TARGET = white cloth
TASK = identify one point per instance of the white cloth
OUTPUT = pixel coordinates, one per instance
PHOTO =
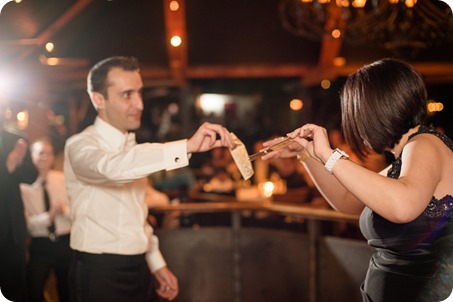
(36, 215)
(106, 180)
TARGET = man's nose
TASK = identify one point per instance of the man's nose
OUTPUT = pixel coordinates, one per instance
(138, 102)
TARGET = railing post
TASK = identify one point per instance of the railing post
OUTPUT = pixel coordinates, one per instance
(314, 232)
(236, 254)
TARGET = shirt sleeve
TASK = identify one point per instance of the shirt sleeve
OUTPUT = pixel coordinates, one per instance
(154, 257)
(96, 165)
(38, 222)
(59, 193)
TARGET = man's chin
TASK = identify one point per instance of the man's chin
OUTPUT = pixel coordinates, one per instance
(134, 126)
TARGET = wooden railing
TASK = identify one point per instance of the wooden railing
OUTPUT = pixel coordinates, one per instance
(313, 215)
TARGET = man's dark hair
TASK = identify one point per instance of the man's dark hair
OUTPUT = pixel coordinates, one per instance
(97, 77)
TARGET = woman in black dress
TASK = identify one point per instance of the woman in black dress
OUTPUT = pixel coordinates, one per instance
(407, 209)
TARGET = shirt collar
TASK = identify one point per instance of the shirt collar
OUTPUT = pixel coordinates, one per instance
(114, 138)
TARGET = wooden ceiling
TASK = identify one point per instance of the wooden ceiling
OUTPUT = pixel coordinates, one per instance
(220, 39)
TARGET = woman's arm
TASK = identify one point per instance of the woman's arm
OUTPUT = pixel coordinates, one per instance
(350, 187)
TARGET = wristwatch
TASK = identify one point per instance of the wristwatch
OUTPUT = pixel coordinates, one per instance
(336, 155)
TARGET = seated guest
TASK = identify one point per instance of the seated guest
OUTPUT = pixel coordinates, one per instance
(287, 170)
(221, 182)
(174, 183)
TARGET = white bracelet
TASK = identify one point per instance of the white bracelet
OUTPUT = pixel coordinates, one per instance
(336, 155)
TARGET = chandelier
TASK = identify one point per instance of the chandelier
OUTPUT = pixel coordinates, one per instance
(401, 26)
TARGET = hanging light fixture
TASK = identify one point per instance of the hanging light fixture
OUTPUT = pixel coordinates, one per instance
(401, 26)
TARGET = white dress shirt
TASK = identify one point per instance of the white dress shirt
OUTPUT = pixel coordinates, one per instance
(105, 172)
(37, 217)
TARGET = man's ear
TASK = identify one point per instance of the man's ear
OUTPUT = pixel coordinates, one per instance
(98, 100)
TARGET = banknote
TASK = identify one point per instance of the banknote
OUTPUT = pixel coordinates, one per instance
(241, 157)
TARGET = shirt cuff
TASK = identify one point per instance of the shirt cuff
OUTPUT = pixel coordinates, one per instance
(176, 154)
(42, 219)
(155, 261)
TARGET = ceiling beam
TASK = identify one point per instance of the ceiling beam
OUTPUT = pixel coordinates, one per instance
(52, 29)
(330, 49)
(432, 72)
(248, 71)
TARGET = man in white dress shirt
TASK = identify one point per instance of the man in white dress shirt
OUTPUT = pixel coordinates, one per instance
(106, 175)
(48, 224)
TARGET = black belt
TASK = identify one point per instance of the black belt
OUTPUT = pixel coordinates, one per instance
(52, 237)
(107, 258)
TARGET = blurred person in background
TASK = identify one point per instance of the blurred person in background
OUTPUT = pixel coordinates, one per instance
(48, 220)
(16, 167)
(221, 182)
(286, 169)
(174, 183)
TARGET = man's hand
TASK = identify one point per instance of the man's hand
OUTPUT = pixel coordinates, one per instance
(16, 156)
(168, 284)
(205, 138)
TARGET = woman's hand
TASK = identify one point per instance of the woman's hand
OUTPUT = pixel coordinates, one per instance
(288, 151)
(310, 137)
(315, 140)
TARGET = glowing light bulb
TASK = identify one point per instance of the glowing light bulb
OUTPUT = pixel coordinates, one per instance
(325, 84)
(296, 104)
(50, 47)
(175, 41)
(174, 6)
(268, 189)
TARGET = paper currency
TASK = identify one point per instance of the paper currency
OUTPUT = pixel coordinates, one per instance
(241, 157)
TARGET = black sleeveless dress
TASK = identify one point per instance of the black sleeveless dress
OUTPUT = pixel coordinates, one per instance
(413, 261)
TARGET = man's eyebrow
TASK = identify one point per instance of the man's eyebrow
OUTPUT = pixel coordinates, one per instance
(128, 91)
